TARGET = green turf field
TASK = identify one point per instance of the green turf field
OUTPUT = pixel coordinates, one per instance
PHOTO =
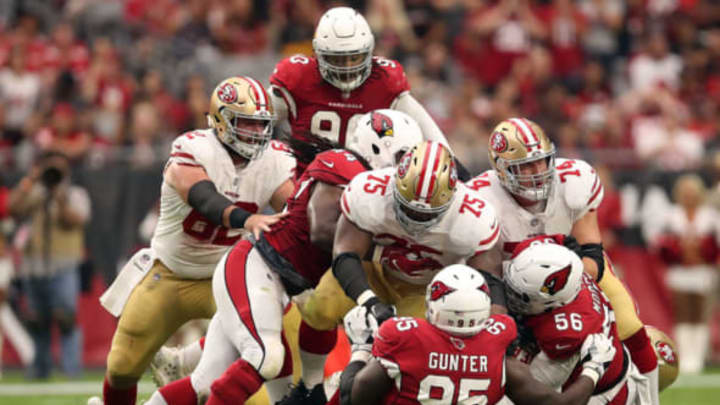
(15, 390)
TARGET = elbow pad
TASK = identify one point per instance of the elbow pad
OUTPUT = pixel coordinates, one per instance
(347, 269)
(594, 251)
(204, 197)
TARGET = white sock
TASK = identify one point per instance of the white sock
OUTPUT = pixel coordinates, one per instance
(278, 388)
(313, 368)
(653, 378)
(701, 334)
(191, 357)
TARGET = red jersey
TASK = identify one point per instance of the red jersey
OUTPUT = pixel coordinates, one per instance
(317, 108)
(291, 236)
(560, 333)
(427, 363)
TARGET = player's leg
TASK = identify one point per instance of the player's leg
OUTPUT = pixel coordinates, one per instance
(321, 313)
(214, 361)
(157, 307)
(630, 329)
(250, 299)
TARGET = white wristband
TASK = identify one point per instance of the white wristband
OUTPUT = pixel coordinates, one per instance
(592, 374)
(360, 355)
(366, 295)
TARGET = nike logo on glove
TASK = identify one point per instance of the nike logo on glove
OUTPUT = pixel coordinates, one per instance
(328, 164)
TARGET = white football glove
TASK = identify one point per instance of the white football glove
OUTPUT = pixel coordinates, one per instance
(596, 355)
(359, 328)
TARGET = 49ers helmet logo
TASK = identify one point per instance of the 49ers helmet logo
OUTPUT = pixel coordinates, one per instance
(227, 93)
(382, 124)
(498, 142)
(556, 281)
(404, 164)
(438, 290)
(666, 352)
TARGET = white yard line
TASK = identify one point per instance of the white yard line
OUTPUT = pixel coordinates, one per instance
(63, 388)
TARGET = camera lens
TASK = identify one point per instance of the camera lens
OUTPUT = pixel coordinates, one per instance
(51, 177)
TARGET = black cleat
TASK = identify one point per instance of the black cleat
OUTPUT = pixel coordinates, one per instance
(298, 395)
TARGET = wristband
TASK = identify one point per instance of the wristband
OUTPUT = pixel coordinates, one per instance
(591, 373)
(238, 217)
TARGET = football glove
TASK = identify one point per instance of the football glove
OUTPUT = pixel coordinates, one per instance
(596, 355)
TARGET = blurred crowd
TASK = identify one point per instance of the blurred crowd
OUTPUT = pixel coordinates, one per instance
(630, 85)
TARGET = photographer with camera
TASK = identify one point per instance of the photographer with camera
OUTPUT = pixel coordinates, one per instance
(53, 212)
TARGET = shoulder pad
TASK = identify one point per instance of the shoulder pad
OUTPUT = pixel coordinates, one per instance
(480, 183)
(582, 188)
(390, 338)
(502, 327)
(192, 148)
(363, 198)
(292, 71)
(393, 74)
(335, 167)
(476, 226)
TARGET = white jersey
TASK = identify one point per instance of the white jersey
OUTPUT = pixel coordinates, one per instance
(575, 191)
(468, 227)
(185, 241)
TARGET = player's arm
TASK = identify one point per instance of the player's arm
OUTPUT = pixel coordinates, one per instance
(522, 388)
(587, 233)
(198, 191)
(323, 214)
(596, 354)
(371, 375)
(281, 195)
(497, 287)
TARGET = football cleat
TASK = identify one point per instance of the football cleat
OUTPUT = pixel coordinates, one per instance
(166, 366)
(298, 395)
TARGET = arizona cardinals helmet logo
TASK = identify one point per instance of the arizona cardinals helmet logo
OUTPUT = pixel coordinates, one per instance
(227, 93)
(438, 290)
(556, 281)
(382, 124)
(498, 143)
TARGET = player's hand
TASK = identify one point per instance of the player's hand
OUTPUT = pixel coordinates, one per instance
(596, 355)
(257, 223)
(378, 312)
(358, 329)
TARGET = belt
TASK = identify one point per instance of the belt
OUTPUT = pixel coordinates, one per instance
(293, 281)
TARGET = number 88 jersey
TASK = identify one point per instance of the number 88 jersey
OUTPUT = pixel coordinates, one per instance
(315, 108)
(469, 227)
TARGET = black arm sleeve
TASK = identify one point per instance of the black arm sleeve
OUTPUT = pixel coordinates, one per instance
(594, 251)
(497, 289)
(347, 269)
(204, 197)
(346, 381)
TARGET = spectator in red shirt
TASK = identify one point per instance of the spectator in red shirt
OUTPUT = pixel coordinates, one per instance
(63, 134)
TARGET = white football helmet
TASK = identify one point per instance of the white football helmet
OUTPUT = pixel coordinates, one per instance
(542, 277)
(458, 300)
(382, 137)
(343, 45)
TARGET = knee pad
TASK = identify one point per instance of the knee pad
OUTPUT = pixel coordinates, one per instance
(274, 359)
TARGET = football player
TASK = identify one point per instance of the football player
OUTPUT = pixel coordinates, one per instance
(320, 95)
(244, 344)
(210, 194)
(419, 218)
(454, 356)
(536, 194)
(561, 305)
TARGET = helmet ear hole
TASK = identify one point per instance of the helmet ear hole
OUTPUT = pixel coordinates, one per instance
(375, 149)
